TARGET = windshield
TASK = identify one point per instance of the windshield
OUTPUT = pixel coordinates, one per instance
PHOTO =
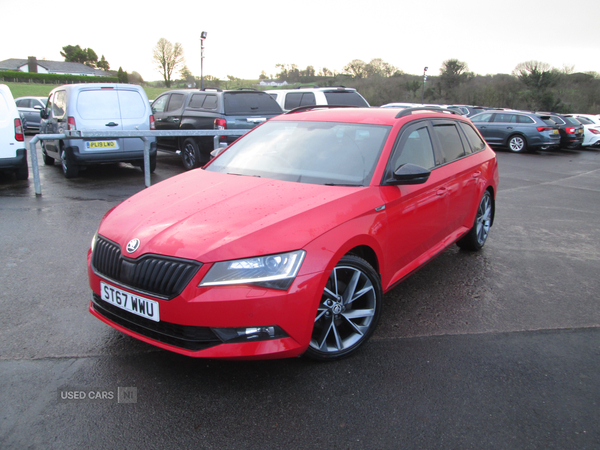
(307, 152)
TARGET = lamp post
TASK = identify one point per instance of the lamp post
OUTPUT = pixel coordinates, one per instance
(202, 37)
(424, 80)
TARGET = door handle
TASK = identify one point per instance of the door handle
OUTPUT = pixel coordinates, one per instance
(442, 191)
(112, 124)
(476, 174)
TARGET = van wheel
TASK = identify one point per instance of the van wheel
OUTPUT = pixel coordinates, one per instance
(190, 154)
(70, 170)
(48, 160)
(517, 144)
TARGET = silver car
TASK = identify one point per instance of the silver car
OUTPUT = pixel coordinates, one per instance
(30, 108)
(518, 131)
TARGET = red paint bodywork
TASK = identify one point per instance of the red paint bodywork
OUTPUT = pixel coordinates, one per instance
(212, 217)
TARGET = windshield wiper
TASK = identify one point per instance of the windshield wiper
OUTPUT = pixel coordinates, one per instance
(243, 175)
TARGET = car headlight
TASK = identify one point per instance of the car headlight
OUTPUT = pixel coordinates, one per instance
(272, 271)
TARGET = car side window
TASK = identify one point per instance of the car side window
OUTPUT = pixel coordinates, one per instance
(197, 101)
(451, 145)
(558, 120)
(49, 105)
(23, 103)
(59, 104)
(176, 102)
(160, 103)
(486, 117)
(416, 148)
(477, 144)
(210, 102)
(292, 100)
(504, 118)
(524, 119)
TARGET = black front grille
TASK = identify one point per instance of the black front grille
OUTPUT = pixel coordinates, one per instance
(182, 336)
(161, 276)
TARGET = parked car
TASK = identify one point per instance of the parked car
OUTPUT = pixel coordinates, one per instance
(591, 129)
(13, 154)
(468, 110)
(30, 109)
(412, 105)
(96, 107)
(285, 243)
(571, 130)
(289, 99)
(209, 109)
(519, 131)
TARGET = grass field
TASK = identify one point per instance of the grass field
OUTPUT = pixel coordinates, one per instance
(42, 90)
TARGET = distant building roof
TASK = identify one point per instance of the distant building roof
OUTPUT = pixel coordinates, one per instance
(56, 67)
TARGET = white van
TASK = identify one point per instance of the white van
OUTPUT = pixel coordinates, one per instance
(13, 153)
(289, 99)
(96, 107)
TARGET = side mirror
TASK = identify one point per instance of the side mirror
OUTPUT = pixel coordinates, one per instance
(43, 114)
(410, 174)
(38, 107)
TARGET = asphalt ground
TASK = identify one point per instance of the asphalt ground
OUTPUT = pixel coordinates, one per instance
(492, 350)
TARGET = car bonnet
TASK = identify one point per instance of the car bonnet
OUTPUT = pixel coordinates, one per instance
(208, 216)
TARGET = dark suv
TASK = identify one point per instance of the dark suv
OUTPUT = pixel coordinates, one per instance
(208, 109)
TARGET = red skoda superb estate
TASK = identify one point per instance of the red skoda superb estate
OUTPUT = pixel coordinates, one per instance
(285, 243)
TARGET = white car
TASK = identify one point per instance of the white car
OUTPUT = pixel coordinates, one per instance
(13, 153)
(289, 99)
(591, 129)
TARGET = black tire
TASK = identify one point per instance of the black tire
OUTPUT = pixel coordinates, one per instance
(48, 160)
(70, 170)
(517, 144)
(475, 239)
(348, 312)
(140, 164)
(190, 154)
(22, 173)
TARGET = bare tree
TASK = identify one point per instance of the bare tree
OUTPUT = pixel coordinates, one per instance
(168, 58)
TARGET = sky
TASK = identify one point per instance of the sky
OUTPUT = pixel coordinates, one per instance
(245, 38)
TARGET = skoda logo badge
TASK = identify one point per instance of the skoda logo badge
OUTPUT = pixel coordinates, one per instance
(133, 245)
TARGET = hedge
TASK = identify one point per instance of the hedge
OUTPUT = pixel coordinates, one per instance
(51, 78)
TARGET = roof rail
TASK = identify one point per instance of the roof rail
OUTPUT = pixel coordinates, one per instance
(212, 89)
(409, 111)
(308, 86)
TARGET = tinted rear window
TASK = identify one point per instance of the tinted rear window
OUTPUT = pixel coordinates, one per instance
(250, 103)
(348, 98)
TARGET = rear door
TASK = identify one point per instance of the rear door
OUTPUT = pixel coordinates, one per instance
(98, 109)
(135, 115)
(483, 122)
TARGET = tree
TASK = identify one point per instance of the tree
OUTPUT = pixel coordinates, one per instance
(168, 58)
(187, 76)
(538, 78)
(74, 53)
(122, 76)
(357, 68)
(452, 73)
(103, 64)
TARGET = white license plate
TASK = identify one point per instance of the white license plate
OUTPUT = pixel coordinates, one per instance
(135, 304)
(101, 144)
